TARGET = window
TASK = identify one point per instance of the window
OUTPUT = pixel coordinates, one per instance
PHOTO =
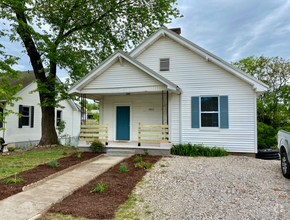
(209, 111)
(25, 116)
(58, 117)
(164, 64)
(27, 119)
(1, 114)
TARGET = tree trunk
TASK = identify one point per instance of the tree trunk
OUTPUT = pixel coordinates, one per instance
(48, 134)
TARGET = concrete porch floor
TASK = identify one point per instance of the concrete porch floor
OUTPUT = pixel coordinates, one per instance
(151, 148)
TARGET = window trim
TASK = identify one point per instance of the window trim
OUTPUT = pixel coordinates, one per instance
(168, 64)
(29, 117)
(203, 112)
(60, 115)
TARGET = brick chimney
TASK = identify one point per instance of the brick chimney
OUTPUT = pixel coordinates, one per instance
(176, 30)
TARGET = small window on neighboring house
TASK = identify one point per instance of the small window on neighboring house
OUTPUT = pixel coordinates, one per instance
(25, 116)
(1, 114)
(27, 119)
(164, 64)
(58, 117)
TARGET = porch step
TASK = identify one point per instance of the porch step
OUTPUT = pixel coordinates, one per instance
(119, 152)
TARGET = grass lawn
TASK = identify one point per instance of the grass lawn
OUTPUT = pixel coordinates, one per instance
(21, 160)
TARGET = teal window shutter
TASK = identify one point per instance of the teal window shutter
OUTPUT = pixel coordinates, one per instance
(224, 112)
(195, 112)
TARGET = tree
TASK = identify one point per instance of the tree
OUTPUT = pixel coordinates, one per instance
(272, 106)
(7, 92)
(77, 34)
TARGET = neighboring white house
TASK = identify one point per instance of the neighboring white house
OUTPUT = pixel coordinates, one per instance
(168, 79)
(26, 130)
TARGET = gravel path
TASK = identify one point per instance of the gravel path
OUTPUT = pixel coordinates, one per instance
(232, 187)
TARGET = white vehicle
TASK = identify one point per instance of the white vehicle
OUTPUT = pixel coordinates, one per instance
(283, 141)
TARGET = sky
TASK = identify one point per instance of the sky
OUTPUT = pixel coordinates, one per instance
(230, 29)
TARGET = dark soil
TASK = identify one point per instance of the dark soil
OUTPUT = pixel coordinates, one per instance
(82, 203)
(40, 172)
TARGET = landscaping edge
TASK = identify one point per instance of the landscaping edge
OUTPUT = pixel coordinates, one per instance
(35, 184)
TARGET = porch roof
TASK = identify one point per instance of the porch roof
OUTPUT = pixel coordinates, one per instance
(163, 83)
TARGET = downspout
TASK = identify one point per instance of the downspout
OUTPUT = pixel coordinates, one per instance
(180, 117)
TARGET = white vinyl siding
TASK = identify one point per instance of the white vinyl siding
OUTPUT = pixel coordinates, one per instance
(118, 76)
(146, 109)
(14, 134)
(198, 77)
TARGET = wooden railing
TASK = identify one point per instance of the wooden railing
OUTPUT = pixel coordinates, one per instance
(160, 137)
(94, 132)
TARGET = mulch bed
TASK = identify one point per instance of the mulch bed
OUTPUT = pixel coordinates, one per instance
(82, 203)
(39, 173)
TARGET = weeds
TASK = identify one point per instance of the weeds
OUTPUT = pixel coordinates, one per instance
(146, 153)
(100, 187)
(197, 150)
(162, 165)
(137, 159)
(143, 165)
(53, 163)
(123, 168)
(14, 180)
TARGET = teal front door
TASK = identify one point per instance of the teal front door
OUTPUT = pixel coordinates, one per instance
(123, 123)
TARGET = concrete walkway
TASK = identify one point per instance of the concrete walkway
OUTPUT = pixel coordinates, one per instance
(32, 203)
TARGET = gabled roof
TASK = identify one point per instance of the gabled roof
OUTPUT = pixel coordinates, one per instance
(258, 86)
(121, 55)
(29, 80)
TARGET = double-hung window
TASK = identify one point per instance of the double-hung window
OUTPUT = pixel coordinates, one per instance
(26, 116)
(209, 111)
(58, 117)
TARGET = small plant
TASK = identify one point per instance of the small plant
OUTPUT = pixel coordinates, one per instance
(137, 159)
(53, 163)
(146, 153)
(100, 187)
(97, 146)
(143, 165)
(79, 154)
(162, 165)
(123, 168)
(14, 180)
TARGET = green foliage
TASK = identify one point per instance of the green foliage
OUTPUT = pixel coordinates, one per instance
(273, 105)
(143, 165)
(123, 168)
(53, 163)
(60, 127)
(100, 187)
(14, 180)
(97, 147)
(137, 159)
(197, 150)
(79, 154)
(266, 136)
(146, 153)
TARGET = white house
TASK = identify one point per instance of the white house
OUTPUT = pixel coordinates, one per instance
(168, 79)
(26, 130)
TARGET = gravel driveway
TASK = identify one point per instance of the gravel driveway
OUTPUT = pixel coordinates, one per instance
(232, 187)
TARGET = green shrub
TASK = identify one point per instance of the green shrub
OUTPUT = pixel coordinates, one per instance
(123, 168)
(197, 150)
(137, 159)
(143, 165)
(97, 147)
(100, 187)
(267, 136)
(53, 163)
